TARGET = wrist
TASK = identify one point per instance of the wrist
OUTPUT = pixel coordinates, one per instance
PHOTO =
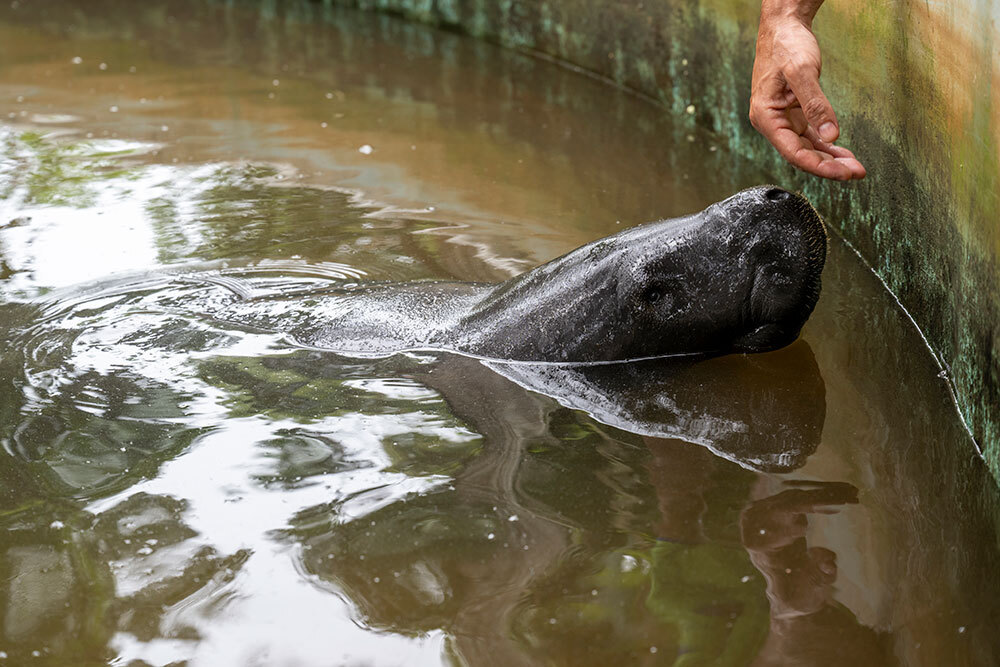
(778, 11)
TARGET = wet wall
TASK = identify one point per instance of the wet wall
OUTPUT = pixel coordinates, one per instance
(917, 92)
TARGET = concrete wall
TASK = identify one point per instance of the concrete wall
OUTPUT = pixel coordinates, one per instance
(917, 91)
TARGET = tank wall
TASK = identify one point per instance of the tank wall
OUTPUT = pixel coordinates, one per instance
(917, 92)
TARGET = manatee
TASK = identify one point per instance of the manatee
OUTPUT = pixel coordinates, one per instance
(743, 275)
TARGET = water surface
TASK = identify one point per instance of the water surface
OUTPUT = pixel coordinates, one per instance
(178, 490)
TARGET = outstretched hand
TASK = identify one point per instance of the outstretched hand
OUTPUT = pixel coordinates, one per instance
(787, 104)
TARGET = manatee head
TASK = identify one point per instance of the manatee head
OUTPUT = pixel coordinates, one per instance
(741, 276)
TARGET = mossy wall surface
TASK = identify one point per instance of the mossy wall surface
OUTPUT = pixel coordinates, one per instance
(917, 92)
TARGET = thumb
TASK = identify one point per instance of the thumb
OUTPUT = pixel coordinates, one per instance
(804, 83)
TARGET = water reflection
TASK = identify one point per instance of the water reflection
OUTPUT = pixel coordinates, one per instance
(807, 624)
(764, 412)
(505, 556)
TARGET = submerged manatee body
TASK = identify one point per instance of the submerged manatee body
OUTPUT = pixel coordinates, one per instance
(741, 276)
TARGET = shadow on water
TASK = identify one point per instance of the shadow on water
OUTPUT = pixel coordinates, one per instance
(174, 489)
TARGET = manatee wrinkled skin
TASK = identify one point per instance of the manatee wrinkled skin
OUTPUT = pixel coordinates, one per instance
(741, 276)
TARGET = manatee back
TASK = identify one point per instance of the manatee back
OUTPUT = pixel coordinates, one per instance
(373, 319)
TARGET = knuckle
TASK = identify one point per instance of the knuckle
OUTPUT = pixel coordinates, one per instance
(814, 108)
(798, 67)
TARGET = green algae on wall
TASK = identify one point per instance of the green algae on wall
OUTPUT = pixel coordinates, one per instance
(917, 91)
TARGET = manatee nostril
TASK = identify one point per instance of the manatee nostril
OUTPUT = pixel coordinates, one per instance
(777, 194)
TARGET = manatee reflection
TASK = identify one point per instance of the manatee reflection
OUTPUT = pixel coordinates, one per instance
(558, 530)
(764, 412)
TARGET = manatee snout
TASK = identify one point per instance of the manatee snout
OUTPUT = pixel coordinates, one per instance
(785, 253)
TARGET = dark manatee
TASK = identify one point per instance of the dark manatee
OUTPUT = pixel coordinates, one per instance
(763, 412)
(741, 276)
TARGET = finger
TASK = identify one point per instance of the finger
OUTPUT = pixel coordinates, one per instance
(797, 119)
(821, 164)
(818, 162)
(775, 125)
(800, 152)
(825, 166)
(858, 170)
(841, 154)
(825, 146)
(804, 81)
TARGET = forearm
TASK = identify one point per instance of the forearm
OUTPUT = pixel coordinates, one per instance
(800, 10)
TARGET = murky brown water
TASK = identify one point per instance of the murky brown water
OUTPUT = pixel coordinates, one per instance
(173, 491)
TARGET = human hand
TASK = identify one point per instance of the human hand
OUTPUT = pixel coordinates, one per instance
(774, 529)
(787, 104)
(780, 520)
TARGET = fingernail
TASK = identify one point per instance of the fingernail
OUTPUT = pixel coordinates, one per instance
(828, 131)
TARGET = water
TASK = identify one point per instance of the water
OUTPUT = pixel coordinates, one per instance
(179, 490)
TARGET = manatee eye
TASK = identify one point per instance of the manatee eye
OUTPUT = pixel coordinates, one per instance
(652, 294)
